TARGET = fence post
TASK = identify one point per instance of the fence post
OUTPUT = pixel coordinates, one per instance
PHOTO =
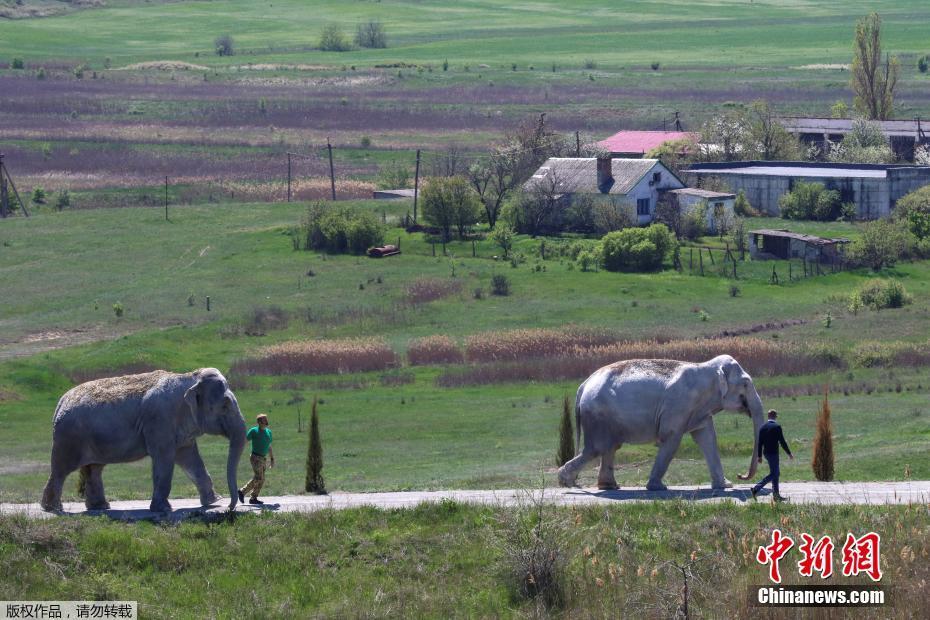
(208, 303)
(734, 271)
(690, 260)
(474, 249)
(790, 274)
(711, 254)
(701, 260)
(433, 245)
(774, 278)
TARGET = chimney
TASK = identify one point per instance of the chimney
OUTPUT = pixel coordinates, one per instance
(604, 173)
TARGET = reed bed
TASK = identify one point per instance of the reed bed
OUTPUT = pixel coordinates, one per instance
(533, 343)
(311, 357)
(434, 350)
(757, 356)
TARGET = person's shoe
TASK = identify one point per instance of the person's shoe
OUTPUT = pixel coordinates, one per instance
(780, 498)
(255, 500)
(753, 492)
(241, 497)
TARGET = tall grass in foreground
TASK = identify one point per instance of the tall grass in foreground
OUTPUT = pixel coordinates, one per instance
(319, 357)
(757, 356)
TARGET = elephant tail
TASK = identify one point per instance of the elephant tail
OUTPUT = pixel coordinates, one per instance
(578, 423)
(83, 475)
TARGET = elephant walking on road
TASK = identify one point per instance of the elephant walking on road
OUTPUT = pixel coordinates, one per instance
(158, 414)
(654, 400)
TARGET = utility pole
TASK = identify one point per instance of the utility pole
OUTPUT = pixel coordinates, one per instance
(288, 177)
(332, 176)
(416, 187)
(577, 145)
(6, 181)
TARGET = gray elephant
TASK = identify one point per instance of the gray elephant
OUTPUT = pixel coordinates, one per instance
(648, 400)
(158, 414)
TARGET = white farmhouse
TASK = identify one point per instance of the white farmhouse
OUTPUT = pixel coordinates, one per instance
(718, 206)
(632, 183)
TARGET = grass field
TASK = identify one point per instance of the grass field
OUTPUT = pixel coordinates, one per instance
(494, 435)
(453, 561)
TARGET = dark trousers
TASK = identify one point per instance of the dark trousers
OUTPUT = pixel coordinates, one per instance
(772, 459)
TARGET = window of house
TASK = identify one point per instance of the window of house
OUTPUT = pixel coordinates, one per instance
(642, 206)
(656, 177)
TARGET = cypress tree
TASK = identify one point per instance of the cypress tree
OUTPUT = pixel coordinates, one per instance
(566, 436)
(822, 463)
(314, 482)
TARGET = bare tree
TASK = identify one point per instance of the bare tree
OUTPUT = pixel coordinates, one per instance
(668, 212)
(449, 163)
(765, 137)
(873, 81)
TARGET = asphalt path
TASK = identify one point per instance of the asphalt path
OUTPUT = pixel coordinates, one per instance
(909, 492)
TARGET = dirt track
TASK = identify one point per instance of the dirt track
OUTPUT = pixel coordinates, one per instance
(798, 492)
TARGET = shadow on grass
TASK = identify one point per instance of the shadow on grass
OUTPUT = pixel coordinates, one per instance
(742, 495)
(201, 513)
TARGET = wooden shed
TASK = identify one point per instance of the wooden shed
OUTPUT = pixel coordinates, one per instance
(784, 244)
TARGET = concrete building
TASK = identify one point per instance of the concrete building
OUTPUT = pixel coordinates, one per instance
(785, 245)
(635, 183)
(873, 188)
(719, 205)
(904, 135)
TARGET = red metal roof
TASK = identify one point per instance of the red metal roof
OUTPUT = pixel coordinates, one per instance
(642, 141)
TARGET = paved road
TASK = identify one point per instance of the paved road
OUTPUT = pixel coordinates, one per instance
(798, 492)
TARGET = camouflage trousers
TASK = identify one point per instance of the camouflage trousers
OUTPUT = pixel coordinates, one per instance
(258, 476)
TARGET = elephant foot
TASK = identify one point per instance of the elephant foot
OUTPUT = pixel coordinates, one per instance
(104, 505)
(209, 500)
(726, 484)
(51, 506)
(656, 486)
(565, 481)
(160, 506)
(607, 486)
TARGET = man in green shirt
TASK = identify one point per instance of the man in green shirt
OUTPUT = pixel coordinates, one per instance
(261, 450)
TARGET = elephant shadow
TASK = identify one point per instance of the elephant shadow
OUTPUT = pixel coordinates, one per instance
(201, 513)
(620, 495)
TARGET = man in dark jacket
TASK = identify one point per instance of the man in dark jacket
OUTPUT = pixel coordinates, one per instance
(770, 437)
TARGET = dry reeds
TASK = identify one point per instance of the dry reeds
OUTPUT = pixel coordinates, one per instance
(533, 343)
(822, 462)
(757, 356)
(319, 357)
(434, 350)
(425, 290)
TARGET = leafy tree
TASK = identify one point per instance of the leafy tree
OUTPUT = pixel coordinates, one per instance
(503, 236)
(449, 202)
(224, 45)
(371, 34)
(726, 132)
(636, 249)
(742, 207)
(394, 176)
(839, 110)
(39, 196)
(764, 137)
(881, 244)
(865, 143)
(873, 81)
(914, 211)
(813, 201)
(332, 39)
(339, 228)
(676, 155)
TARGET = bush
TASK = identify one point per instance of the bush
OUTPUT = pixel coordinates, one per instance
(923, 63)
(636, 249)
(742, 207)
(17, 64)
(338, 229)
(822, 462)
(365, 142)
(655, 66)
(371, 35)
(882, 294)
(586, 260)
(63, 200)
(503, 237)
(224, 45)
(881, 244)
(394, 176)
(118, 309)
(39, 196)
(812, 201)
(500, 285)
(332, 39)
(914, 210)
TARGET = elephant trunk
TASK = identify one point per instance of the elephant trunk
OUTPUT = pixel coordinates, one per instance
(236, 433)
(754, 403)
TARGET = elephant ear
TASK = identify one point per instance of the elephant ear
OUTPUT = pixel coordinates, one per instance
(722, 381)
(194, 399)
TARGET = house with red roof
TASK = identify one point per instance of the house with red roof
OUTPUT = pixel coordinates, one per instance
(635, 144)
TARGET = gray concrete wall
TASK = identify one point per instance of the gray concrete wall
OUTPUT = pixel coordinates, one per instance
(905, 180)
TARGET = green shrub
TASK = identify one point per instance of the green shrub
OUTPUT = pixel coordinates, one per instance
(914, 210)
(118, 309)
(39, 196)
(224, 45)
(742, 207)
(365, 142)
(655, 66)
(812, 201)
(40, 74)
(339, 229)
(500, 285)
(394, 176)
(636, 249)
(586, 260)
(923, 63)
(873, 354)
(503, 237)
(882, 294)
(63, 200)
(371, 34)
(18, 64)
(881, 244)
(332, 39)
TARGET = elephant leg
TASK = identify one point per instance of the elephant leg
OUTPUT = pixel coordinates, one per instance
(162, 473)
(51, 495)
(605, 476)
(667, 450)
(188, 457)
(706, 438)
(568, 473)
(94, 497)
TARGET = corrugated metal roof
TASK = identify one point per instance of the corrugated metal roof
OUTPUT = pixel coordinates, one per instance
(642, 141)
(703, 193)
(579, 174)
(767, 232)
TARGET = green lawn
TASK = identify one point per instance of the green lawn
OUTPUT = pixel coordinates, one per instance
(415, 434)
